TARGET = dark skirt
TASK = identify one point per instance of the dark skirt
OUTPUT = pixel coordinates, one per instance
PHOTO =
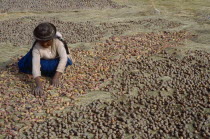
(48, 66)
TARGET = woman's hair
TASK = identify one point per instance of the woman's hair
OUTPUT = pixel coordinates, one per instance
(44, 31)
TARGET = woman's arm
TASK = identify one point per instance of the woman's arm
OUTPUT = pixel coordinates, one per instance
(36, 72)
(62, 63)
(38, 91)
(55, 80)
(63, 57)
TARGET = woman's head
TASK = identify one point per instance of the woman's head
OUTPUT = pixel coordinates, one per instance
(44, 33)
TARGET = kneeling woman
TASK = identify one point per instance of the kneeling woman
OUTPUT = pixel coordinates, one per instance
(49, 56)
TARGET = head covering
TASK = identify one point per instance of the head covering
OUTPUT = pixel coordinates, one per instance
(44, 31)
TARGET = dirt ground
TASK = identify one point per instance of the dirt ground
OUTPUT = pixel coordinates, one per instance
(141, 70)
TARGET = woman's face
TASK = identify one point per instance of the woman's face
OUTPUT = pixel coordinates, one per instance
(46, 44)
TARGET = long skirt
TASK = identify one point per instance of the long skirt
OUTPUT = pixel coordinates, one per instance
(48, 66)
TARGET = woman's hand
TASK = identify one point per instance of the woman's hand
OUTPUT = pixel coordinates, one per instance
(56, 79)
(55, 82)
(38, 91)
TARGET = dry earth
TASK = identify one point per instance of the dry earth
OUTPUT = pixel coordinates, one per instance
(141, 70)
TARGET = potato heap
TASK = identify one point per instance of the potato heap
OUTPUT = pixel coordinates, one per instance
(172, 101)
(54, 5)
(91, 69)
(20, 30)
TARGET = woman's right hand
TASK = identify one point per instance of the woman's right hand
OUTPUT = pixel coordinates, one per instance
(38, 91)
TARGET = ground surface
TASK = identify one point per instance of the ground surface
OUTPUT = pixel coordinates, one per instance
(141, 70)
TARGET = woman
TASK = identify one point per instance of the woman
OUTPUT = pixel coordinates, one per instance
(49, 56)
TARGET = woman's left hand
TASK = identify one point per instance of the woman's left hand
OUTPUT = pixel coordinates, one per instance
(55, 82)
(56, 79)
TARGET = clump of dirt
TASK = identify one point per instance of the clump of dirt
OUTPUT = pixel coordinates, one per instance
(54, 5)
(183, 114)
(92, 68)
